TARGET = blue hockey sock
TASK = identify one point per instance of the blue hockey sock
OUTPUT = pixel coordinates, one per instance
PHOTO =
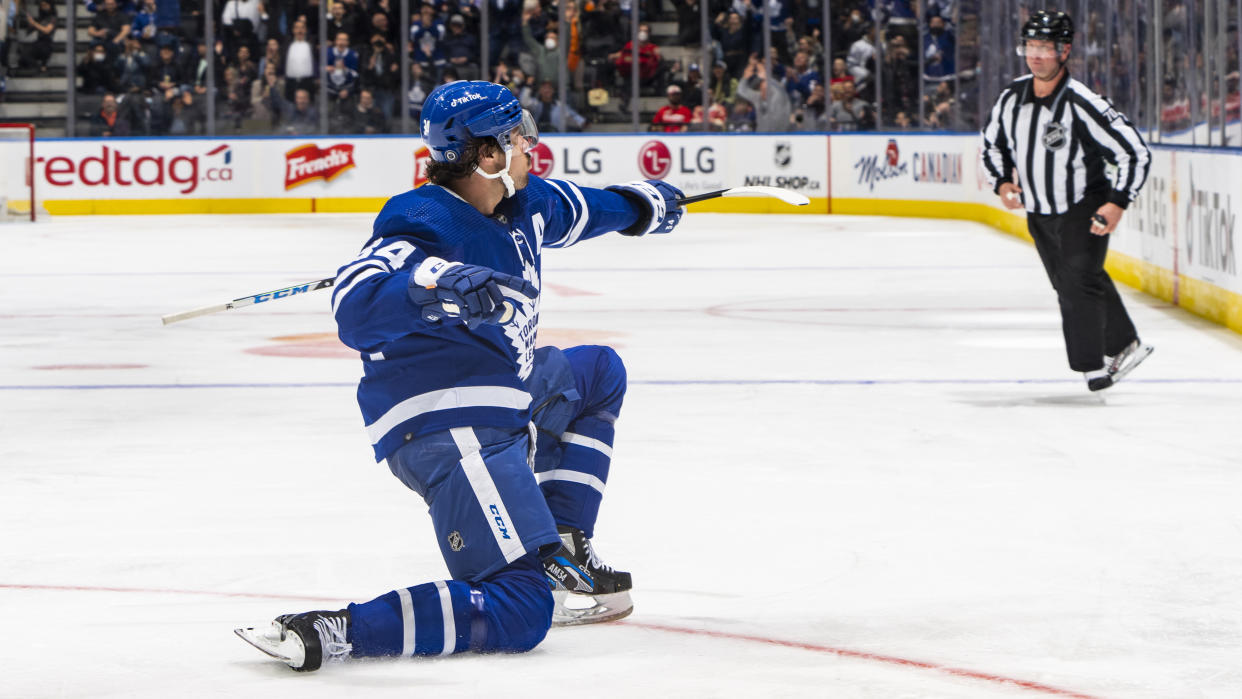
(574, 488)
(509, 611)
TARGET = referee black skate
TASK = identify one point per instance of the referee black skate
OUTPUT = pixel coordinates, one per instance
(1078, 164)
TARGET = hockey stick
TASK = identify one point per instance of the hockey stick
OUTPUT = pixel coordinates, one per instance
(252, 299)
(785, 195)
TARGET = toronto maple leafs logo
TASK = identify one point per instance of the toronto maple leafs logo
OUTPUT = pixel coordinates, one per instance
(522, 327)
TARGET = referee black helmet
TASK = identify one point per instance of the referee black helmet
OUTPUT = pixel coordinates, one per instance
(1048, 26)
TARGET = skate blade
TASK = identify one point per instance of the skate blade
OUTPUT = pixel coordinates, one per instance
(575, 610)
(289, 650)
(1139, 355)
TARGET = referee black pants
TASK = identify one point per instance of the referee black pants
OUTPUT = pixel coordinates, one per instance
(1093, 319)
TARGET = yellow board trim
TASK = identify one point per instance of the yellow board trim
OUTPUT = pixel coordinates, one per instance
(757, 205)
(1202, 298)
(274, 205)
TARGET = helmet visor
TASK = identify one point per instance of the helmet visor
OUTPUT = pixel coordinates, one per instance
(528, 130)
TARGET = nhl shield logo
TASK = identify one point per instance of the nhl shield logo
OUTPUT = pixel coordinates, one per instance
(784, 154)
(455, 542)
(1054, 136)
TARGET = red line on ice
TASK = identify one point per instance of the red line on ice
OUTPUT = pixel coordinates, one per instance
(862, 655)
(816, 648)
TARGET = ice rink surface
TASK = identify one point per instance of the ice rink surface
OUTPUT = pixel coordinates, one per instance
(852, 463)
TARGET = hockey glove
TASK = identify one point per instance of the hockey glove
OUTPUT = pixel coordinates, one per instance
(473, 294)
(657, 204)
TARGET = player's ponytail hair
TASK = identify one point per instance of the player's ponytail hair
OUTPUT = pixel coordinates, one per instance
(443, 173)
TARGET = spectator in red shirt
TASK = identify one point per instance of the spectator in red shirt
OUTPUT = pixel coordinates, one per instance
(673, 116)
(648, 56)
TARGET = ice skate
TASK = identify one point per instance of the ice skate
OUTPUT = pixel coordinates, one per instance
(303, 641)
(1127, 359)
(1116, 368)
(587, 591)
(1098, 380)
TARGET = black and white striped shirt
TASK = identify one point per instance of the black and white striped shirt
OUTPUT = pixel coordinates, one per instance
(1060, 145)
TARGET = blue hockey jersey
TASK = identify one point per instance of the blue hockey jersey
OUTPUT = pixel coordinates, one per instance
(421, 377)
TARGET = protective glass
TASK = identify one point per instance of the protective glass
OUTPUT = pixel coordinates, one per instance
(1041, 51)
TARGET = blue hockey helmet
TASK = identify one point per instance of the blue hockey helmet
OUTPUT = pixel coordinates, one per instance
(457, 111)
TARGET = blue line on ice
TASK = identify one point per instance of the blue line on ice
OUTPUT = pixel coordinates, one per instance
(671, 382)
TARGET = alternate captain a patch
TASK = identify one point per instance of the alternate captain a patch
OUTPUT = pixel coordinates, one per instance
(1055, 136)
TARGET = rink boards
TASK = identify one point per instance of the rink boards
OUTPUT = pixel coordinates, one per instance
(1178, 241)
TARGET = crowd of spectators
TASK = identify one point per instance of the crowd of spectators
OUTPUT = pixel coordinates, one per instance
(146, 72)
(146, 69)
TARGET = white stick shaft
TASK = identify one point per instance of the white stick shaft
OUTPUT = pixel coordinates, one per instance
(252, 299)
(186, 315)
(786, 195)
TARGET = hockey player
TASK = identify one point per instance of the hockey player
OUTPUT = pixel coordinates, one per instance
(509, 445)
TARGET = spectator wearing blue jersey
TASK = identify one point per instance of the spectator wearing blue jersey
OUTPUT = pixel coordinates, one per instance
(426, 24)
(508, 445)
(341, 82)
(801, 77)
(145, 23)
(939, 50)
(340, 51)
(426, 34)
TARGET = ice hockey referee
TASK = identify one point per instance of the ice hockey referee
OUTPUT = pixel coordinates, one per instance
(1047, 146)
